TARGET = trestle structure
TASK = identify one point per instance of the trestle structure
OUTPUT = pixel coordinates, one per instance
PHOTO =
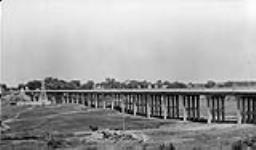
(173, 111)
(216, 108)
(191, 107)
(164, 104)
(246, 107)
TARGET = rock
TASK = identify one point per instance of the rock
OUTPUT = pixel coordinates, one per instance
(97, 136)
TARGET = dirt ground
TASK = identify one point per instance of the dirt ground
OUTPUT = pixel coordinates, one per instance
(75, 122)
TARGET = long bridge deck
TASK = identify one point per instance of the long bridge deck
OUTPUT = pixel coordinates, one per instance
(163, 103)
(176, 91)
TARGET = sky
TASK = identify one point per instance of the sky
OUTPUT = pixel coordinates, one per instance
(176, 40)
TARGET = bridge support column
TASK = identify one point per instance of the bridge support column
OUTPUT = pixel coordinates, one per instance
(76, 98)
(93, 100)
(188, 106)
(185, 115)
(238, 110)
(83, 99)
(57, 98)
(113, 101)
(67, 98)
(133, 101)
(129, 106)
(148, 106)
(148, 109)
(62, 98)
(104, 104)
(152, 99)
(112, 104)
(164, 106)
(96, 100)
(138, 104)
(177, 108)
(195, 107)
(34, 99)
(113, 98)
(80, 99)
(127, 103)
(209, 119)
(123, 106)
(135, 105)
(254, 109)
(122, 103)
(72, 98)
(89, 100)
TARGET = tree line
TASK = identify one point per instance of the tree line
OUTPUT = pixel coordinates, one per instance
(111, 83)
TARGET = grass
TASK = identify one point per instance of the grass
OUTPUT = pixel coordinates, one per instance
(67, 119)
(8, 111)
(46, 111)
(71, 118)
(58, 119)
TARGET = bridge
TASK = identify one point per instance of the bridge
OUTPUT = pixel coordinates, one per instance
(182, 104)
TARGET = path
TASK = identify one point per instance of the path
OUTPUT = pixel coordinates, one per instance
(4, 125)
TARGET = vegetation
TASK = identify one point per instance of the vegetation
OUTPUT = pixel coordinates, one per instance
(111, 83)
(69, 126)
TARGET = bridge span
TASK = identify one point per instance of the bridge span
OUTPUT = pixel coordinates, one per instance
(182, 104)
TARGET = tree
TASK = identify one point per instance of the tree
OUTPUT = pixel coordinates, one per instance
(33, 85)
(110, 83)
(144, 84)
(4, 87)
(159, 83)
(54, 83)
(210, 84)
(229, 84)
(88, 85)
(177, 84)
(133, 84)
(74, 84)
(21, 86)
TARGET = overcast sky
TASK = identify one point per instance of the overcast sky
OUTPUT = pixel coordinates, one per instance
(185, 40)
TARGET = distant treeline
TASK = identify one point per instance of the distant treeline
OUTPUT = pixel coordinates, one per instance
(111, 83)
